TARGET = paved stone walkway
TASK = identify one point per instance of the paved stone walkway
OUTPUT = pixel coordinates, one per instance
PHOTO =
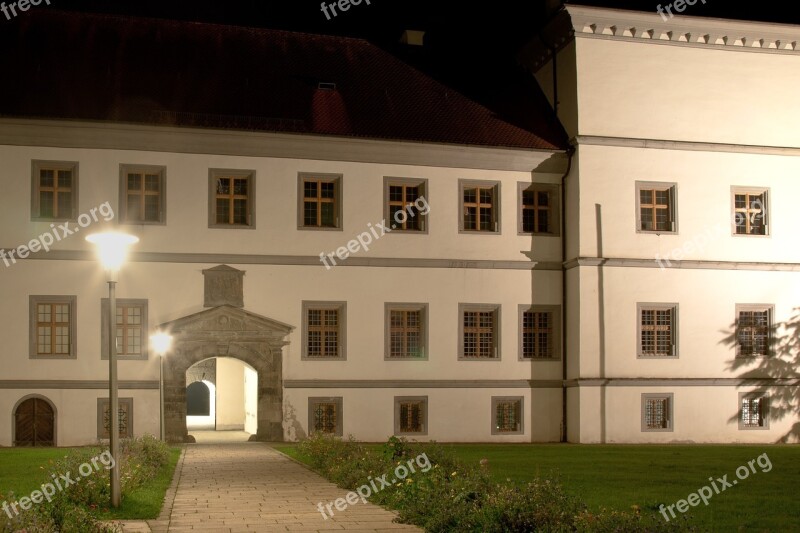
(248, 487)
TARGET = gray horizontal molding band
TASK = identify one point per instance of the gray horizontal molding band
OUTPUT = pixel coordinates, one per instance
(149, 138)
(301, 260)
(75, 384)
(684, 265)
(689, 146)
(421, 384)
(684, 382)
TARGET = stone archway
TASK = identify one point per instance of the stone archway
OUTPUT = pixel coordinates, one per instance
(226, 331)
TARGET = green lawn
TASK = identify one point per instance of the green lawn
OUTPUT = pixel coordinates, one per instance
(23, 470)
(620, 476)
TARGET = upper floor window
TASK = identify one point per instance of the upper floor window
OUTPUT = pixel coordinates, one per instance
(406, 334)
(324, 328)
(53, 327)
(131, 326)
(753, 328)
(480, 206)
(538, 209)
(657, 330)
(655, 207)
(55, 190)
(479, 325)
(540, 327)
(231, 198)
(405, 204)
(320, 201)
(142, 194)
(750, 211)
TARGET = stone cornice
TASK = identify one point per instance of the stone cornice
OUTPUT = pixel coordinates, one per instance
(650, 27)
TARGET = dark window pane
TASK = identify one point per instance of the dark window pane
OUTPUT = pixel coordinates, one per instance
(46, 178)
(46, 204)
(151, 208)
(152, 183)
(134, 182)
(309, 213)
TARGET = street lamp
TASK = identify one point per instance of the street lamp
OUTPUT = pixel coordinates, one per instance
(161, 343)
(112, 248)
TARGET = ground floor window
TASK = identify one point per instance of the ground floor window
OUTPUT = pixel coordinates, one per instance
(325, 416)
(125, 418)
(657, 412)
(411, 415)
(507, 415)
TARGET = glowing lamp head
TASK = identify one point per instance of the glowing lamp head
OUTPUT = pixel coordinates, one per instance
(161, 342)
(112, 248)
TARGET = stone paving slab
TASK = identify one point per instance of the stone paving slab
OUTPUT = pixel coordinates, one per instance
(248, 487)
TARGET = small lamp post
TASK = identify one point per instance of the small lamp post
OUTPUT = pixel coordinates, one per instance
(112, 250)
(162, 342)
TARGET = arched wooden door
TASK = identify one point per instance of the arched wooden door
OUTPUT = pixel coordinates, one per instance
(34, 423)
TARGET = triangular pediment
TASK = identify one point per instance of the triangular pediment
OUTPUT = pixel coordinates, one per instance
(226, 318)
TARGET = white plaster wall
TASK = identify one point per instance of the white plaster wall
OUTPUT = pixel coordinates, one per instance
(230, 394)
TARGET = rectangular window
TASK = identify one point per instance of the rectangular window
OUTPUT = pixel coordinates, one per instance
(507, 415)
(479, 335)
(55, 190)
(125, 418)
(325, 416)
(657, 330)
(324, 330)
(142, 194)
(132, 332)
(320, 201)
(655, 206)
(231, 198)
(657, 412)
(480, 206)
(538, 209)
(750, 211)
(540, 335)
(405, 204)
(753, 329)
(52, 327)
(406, 332)
(753, 411)
(410, 415)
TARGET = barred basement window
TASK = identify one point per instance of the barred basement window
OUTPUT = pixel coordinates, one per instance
(325, 415)
(410, 414)
(320, 201)
(750, 211)
(539, 327)
(657, 330)
(657, 412)
(143, 194)
(406, 335)
(754, 411)
(479, 331)
(656, 207)
(232, 198)
(55, 190)
(125, 414)
(324, 330)
(507, 415)
(52, 327)
(753, 327)
(480, 206)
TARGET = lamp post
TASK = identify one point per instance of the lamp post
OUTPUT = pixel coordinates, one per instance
(112, 250)
(161, 344)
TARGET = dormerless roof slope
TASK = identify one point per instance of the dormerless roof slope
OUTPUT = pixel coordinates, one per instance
(98, 67)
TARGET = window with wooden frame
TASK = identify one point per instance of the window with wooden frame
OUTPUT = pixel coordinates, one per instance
(410, 415)
(320, 201)
(53, 327)
(132, 332)
(540, 327)
(325, 416)
(142, 194)
(231, 198)
(657, 330)
(753, 410)
(655, 207)
(479, 332)
(125, 418)
(538, 209)
(753, 330)
(406, 331)
(54, 190)
(324, 330)
(405, 201)
(750, 211)
(507, 415)
(657, 412)
(480, 206)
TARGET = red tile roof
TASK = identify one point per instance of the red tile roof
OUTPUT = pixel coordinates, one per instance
(99, 67)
